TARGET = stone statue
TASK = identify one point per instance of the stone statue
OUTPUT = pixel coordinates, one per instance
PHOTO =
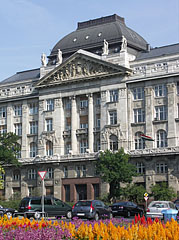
(59, 57)
(43, 60)
(105, 48)
(124, 44)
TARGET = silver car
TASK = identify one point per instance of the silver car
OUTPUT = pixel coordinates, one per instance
(155, 208)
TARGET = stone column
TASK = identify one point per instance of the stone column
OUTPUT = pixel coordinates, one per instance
(24, 186)
(149, 106)
(172, 111)
(9, 118)
(90, 124)
(58, 123)
(25, 130)
(73, 126)
(41, 142)
(104, 121)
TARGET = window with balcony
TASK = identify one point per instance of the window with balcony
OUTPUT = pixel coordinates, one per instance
(139, 115)
(84, 121)
(34, 127)
(140, 168)
(138, 93)
(50, 173)
(32, 174)
(18, 110)
(83, 145)
(18, 129)
(3, 129)
(3, 112)
(113, 94)
(139, 142)
(65, 171)
(162, 139)
(33, 108)
(161, 113)
(50, 104)
(160, 90)
(49, 148)
(113, 117)
(49, 124)
(33, 149)
(161, 168)
(113, 140)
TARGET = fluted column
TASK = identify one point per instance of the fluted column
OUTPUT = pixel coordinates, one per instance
(9, 118)
(73, 125)
(25, 128)
(90, 123)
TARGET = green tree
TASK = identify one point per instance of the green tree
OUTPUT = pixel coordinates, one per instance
(133, 192)
(162, 192)
(114, 168)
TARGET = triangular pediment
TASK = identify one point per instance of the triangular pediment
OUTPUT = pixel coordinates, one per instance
(81, 66)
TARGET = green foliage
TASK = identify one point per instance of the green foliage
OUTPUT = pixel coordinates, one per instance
(162, 192)
(10, 204)
(114, 169)
(133, 192)
(9, 149)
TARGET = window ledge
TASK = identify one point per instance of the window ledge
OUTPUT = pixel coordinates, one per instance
(159, 121)
(137, 124)
(176, 119)
(32, 135)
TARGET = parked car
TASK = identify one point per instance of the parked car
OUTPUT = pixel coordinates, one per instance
(176, 202)
(91, 209)
(32, 206)
(7, 211)
(155, 208)
(126, 209)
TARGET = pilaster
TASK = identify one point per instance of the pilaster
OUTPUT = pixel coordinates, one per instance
(25, 129)
(90, 124)
(73, 125)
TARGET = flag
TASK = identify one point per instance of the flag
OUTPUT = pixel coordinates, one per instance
(146, 138)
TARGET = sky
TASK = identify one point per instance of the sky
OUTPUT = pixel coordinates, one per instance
(29, 28)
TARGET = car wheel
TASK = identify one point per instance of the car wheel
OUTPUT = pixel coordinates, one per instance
(69, 215)
(37, 215)
(9, 214)
(96, 217)
(110, 216)
(128, 214)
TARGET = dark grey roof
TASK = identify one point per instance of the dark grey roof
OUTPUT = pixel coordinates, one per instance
(22, 76)
(112, 28)
(159, 51)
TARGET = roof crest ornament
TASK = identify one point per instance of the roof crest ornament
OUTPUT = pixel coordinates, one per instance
(59, 57)
(43, 60)
(105, 48)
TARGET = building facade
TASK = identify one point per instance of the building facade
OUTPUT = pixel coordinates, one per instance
(101, 87)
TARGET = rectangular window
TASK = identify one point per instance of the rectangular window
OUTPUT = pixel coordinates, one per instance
(18, 110)
(84, 103)
(50, 105)
(3, 129)
(113, 117)
(18, 129)
(139, 115)
(83, 146)
(34, 127)
(98, 101)
(140, 168)
(113, 95)
(78, 171)
(138, 93)
(160, 90)
(83, 171)
(68, 105)
(161, 113)
(49, 125)
(68, 123)
(98, 121)
(84, 121)
(68, 147)
(65, 170)
(33, 108)
(162, 168)
(3, 112)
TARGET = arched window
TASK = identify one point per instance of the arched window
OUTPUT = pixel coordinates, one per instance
(32, 174)
(33, 149)
(139, 142)
(113, 143)
(49, 148)
(161, 139)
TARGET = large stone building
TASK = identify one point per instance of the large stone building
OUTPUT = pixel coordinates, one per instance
(101, 88)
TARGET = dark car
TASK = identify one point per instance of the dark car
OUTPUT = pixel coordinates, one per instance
(7, 211)
(91, 209)
(32, 206)
(176, 202)
(126, 209)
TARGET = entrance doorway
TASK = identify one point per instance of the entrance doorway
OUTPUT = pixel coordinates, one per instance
(81, 192)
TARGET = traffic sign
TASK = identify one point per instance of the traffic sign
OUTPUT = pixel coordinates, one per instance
(146, 194)
(42, 174)
(146, 198)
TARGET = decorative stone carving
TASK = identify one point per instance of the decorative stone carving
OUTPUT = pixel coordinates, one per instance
(124, 44)
(59, 57)
(110, 130)
(43, 60)
(148, 90)
(58, 102)
(105, 47)
(41, 105)
(122, 92)
(170, 87)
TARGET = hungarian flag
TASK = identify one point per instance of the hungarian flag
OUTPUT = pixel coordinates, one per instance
(147, 138)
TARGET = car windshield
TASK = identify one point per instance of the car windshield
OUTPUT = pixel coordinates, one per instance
(160, 205)
(121, 203)
(83, 203)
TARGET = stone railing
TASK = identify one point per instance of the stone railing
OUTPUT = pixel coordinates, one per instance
(14, 92)
(154, 151)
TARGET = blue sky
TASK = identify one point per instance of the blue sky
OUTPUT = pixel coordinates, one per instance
(30, 27)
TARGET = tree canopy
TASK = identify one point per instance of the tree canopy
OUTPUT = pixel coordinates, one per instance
(114, 168)
(134, 193)
(162, 192)
(9, 149)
